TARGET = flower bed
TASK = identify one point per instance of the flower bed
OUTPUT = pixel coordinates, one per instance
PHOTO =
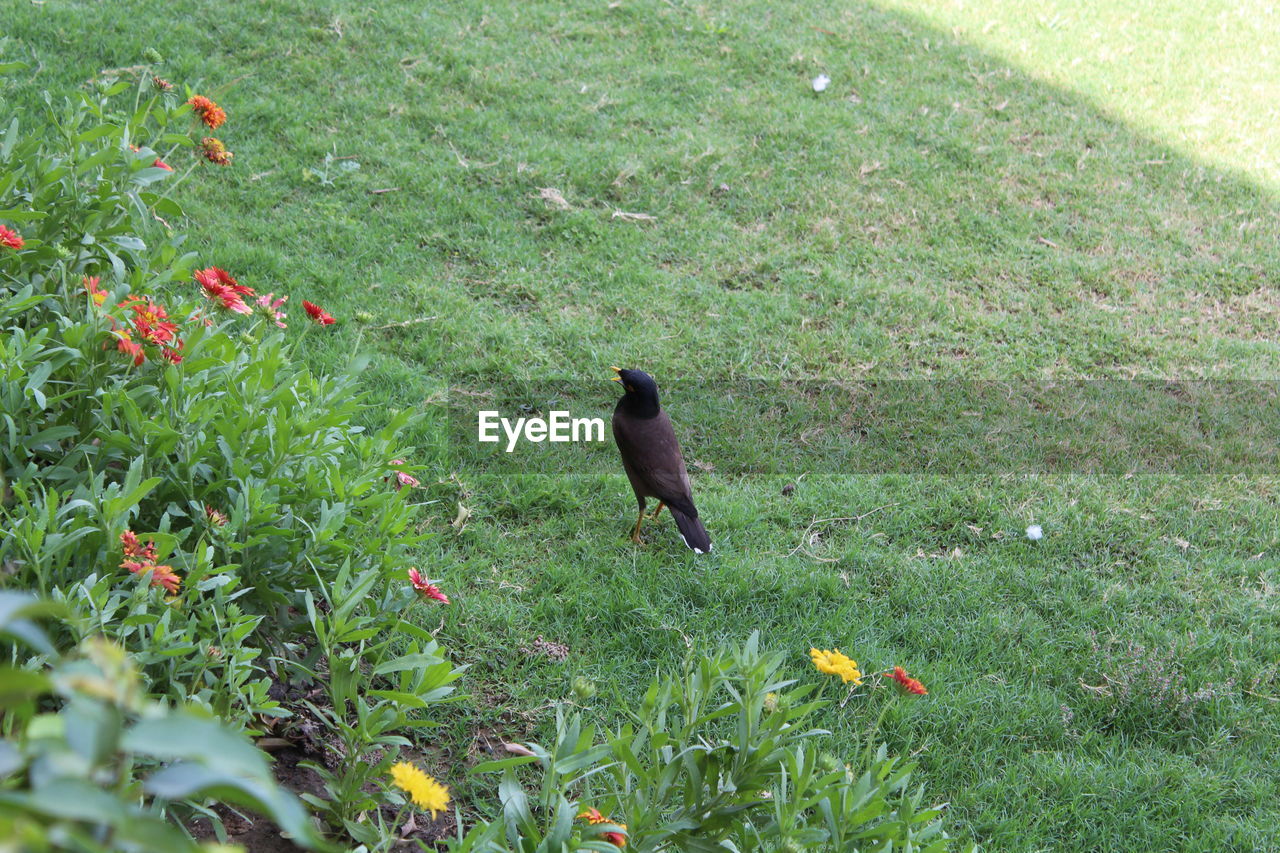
(203, 557)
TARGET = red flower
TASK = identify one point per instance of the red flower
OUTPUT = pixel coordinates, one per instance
(428, 590)
(10, 239)
(150, 321)
(218, 284)
(215, 152)
(97, 294)
(209, 112)
(134, 548)
(403, 479)
(160, 83)
(908, 683)
(315, 312)
(217, 519)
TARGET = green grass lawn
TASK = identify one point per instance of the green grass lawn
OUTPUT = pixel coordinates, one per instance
(963, 202)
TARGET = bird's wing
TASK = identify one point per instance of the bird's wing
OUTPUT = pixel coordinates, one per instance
(650, 449)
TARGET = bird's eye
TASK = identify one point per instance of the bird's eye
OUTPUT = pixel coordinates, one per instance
(630, 387)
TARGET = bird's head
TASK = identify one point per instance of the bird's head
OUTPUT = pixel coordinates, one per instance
(641, 395)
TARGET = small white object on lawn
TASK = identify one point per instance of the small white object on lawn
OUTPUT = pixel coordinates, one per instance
(1035, 532)
(821, 82)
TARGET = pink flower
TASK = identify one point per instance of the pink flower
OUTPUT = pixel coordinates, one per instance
(403, 479)
(271, 310)
(428, 590)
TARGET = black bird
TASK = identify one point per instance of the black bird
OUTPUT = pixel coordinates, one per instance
(651, 457)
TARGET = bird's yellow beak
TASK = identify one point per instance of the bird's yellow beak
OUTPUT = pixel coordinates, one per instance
(616, 370)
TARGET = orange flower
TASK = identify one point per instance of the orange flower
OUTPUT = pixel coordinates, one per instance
(315, 312)
(209, 112)
(10, 239)
(127, 345)
(215, 152)
(908, 683)
(429, 590)
(593, 817)
(163, 576)
(133, 547)
(217, 519)
(97, 294)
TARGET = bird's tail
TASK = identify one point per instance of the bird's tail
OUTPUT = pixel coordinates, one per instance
(692, 531)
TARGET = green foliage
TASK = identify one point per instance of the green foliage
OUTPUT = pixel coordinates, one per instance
(381, 673)
(96, 445)
(184, 492)
(106, 769)
(711, 762)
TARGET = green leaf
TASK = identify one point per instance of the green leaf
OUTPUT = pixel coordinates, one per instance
(185, 736)
(168, 207)
(503, 763)
(10, 137)
(133, 244)
(408, 700)
(417, 661)
(18, 685)
(72, 799)
(106, 155)
(149, 175)
(187, 780)
(17, 214)
(93, 729)
(16, 611)
(11, 760)
(95, 133)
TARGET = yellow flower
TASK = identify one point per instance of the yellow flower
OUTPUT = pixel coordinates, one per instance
(426, 792)
(834, 663)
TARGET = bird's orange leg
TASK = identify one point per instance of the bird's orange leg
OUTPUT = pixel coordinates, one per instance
(654, 517)
(635, 532)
